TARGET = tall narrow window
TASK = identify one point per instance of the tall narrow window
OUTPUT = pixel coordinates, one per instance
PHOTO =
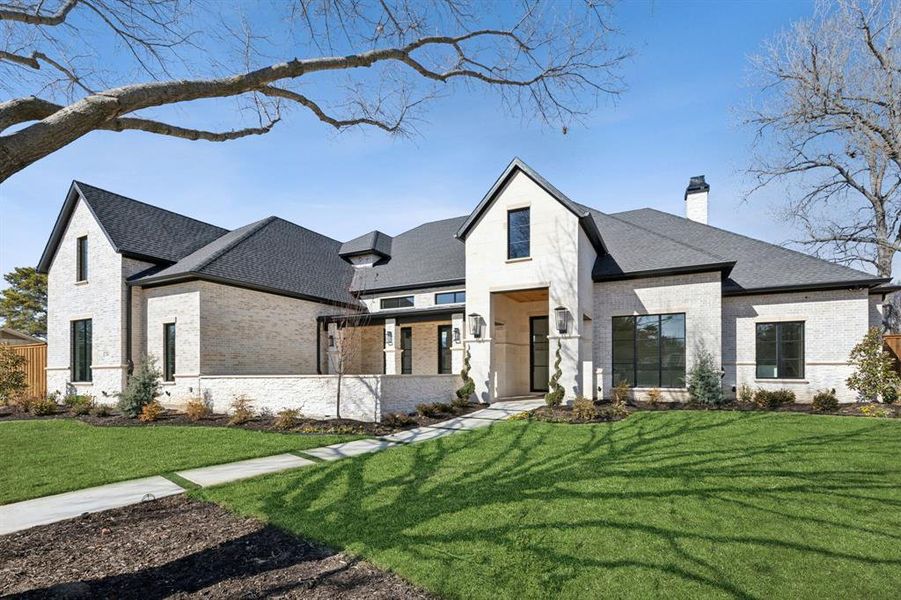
(81, 350)
(649, 350)
(518, 233)
(444, 349)
(406, 351)
(780, 350)
(169, 352)
(81, 259)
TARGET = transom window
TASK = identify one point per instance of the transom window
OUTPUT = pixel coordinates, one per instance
(450, 297)
(81, 259)
(169, 352)
(399, 302)
(780, 350)
(81, 350)
(518, 229)
(649, 350)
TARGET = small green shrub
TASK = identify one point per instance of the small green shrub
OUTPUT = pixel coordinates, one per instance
(13, 380)
(286, 419)
(460, 403)
(43, 406)
(825, 401)
(890, 395)
(143, 387)
(745, 393)
(874, 369)
(584, 409)
(151, 412)
(397, 420)
(101, 410)
(704, 382)
(771, 399)
(469, 385)
(443, 408)
(427, 410)
(554, 396)
(80, 404)
(242, 410)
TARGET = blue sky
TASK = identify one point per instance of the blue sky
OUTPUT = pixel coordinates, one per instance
(677, 119)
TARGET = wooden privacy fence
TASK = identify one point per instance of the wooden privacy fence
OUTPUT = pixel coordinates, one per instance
(893, 343)
(35, 367)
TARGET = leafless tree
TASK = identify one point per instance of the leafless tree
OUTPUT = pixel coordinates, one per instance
(70, 67)
(828, 126)
(344, 357)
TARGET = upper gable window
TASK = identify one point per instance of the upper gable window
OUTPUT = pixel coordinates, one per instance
(399, 302)
(81, 259)
(518, 233)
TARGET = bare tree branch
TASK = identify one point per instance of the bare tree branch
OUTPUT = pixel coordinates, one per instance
(37, 17)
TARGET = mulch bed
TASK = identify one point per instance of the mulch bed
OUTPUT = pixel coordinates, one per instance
(258, 423)
(181, 548)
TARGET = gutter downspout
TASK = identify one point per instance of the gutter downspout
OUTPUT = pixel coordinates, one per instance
(130, 366)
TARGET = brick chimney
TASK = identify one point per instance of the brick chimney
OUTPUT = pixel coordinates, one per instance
(696, 199)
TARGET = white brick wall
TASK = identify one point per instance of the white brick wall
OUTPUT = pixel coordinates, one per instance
(834, 321)
(698, 295)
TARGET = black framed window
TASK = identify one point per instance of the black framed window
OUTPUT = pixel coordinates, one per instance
(399, 302)
(649, 350)
(444, 349)
(780, 350)
(169, 352)
(406, 351)
(81, 259)
(450, 297)
(81, 350)
(518, 229)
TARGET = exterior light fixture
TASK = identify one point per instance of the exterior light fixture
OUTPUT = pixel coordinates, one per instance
(389, 337)
(331, 341)
(560, 317)
(475, 325)
(456, 335)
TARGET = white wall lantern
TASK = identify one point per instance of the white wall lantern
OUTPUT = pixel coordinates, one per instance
(475, 325)
(560, 316)
(389, 337)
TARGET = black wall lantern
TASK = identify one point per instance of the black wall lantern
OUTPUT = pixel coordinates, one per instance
(331, 340)
(475, 325)
(456, 335)
(560, 317)
(389, 337)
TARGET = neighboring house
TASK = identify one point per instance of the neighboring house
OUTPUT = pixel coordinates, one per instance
(14, 337)
(627, 296)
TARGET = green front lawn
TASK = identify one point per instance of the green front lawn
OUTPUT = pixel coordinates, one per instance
(680, 504)
(38, 458)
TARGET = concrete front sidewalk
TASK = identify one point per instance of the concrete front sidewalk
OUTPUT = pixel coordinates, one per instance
(50, 509)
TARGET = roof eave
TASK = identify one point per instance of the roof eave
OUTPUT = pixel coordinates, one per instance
(810, 287)
(723, 267)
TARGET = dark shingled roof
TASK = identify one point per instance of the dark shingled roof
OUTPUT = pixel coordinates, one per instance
(374, 242)
(758, 265)
(270, 255)
(425, 255)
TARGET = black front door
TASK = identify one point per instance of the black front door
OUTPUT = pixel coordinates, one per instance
(444, 349)
(538, 354)
(406, 351)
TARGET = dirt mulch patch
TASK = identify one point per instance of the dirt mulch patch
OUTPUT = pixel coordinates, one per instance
(259, 423)
(181, 548)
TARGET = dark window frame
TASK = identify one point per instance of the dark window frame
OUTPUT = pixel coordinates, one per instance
(170, 338)
(458, 297)
(635, 353)
(448, 350)
(406, 352)
(528, 240)
(81, 373)
(394, 302)
(81, 259)
(779, 350)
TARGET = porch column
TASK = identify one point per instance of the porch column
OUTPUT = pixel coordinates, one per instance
(457, 329)
(390, 349)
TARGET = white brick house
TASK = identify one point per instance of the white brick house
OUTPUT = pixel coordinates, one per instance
(271, 309)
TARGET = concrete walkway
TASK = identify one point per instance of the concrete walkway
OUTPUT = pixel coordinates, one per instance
(50, 509)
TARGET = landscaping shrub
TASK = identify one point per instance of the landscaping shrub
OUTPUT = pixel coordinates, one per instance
(469, 385)
(143, 387)
(22, 403)
(242, 410)
(554, 396)
(584, 409)
(80, 404)
(460, 403)
(13, 382)
(197, 408)
(770, 399)
(872, 410)
(620, 399)
(151, 412)
(521, 416)
(443, 408)
(890, 395)
(427, 410)
(43, 406)
(704, 382)
(745, 393)
(101, 410)
(397, 420)
(873, 367)
(654, 396)
(825, 401)
(286, 419)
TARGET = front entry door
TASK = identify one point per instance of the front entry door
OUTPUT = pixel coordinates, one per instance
(538, 354)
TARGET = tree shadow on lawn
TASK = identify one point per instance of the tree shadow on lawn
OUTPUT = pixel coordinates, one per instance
(729, 503)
